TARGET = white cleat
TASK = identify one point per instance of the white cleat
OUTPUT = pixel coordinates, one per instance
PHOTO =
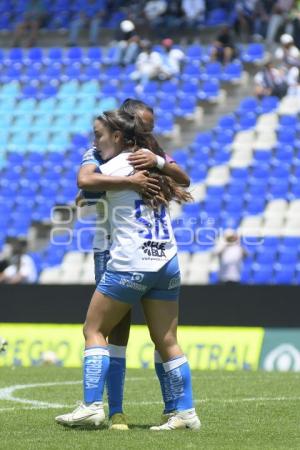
(180, 420)
(92, 415)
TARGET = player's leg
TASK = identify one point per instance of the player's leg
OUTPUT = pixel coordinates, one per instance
(103, 314)
(162, 317)
(118, 339)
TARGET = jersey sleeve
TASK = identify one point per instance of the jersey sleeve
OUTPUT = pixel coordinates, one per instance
(89, 158)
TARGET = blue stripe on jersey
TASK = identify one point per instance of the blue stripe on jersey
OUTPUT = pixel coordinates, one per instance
(92, 156)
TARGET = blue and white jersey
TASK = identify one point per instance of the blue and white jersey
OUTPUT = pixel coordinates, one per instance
(142, 238)
(101, 241)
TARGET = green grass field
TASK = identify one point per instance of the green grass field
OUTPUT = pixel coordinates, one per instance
(238, 410)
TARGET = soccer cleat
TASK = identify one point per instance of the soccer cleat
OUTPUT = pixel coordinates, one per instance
(118, 422)
(166, 416)
(179, 421)
(91, 415)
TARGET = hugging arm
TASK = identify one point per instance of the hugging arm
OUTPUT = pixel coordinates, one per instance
(146, 160)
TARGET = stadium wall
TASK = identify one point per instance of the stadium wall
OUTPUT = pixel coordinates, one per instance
(215, 305)
(223, 327)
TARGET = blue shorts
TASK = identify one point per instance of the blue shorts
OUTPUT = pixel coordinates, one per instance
(130, 287)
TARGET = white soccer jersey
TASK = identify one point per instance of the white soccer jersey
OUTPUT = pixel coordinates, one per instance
(142, 238)
(101, 240)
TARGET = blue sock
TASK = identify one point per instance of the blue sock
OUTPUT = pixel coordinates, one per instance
(115, 378)
(164, 384)
(95, 368)
(179, 376)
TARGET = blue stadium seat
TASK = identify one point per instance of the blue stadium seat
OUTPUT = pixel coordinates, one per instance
(257, 187)
(248, 104)
(34, 55)
(288, 121)
(263, 156)
(167, 89)
(247, 121)
(288, 257)
(236, 187)
(262, 274)
(268, 104)
(188, 89)
(198, 173)
(278, 189)
(194, 53)
(181, 156)
(209, 91)
(266, 257)
(15, 54)
(186, 107)
(93, 54)
(254, 52)
(216, 17)
(232, 72)
(255, 205)
(240, 173)
(212, 71)
(271, 241)
(286, 135)
(284, 274)
(260, 170)
(191, 72)
(164, 125)
(226, 122)
(55, 54)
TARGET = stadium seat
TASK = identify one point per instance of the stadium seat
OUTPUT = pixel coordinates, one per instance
(253, 53)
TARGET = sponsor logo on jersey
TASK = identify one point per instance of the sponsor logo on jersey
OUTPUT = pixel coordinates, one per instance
(151, 248)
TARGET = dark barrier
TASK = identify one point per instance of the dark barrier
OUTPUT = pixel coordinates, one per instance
(265, 306)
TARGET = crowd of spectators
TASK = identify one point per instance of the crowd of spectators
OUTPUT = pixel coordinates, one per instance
(280, 75)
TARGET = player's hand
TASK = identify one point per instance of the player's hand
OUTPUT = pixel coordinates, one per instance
(142, 183)
(142, 160)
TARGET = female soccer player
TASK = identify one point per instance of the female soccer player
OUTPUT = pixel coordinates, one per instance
(118, 338)
(143, 266)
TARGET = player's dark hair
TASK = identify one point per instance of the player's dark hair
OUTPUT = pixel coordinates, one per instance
(134, 138)
(133, 107)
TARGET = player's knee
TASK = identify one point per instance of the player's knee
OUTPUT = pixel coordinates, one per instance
(164, 342)
(88, 331)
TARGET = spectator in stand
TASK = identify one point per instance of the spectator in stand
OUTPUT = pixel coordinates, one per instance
(172, 59)
(194, 11)
(244, 23)
(128, 46)
(89, 14)
(262, 15)
(148, 65)
(294, 19)
(278, 18)
(174, 15)
(270, 81)
(223, 48)
(21, 269)
(34, 16)
(230, 254)
(287, 53)
(154, 11)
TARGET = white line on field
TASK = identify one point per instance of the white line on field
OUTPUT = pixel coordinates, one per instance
(7, 394)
